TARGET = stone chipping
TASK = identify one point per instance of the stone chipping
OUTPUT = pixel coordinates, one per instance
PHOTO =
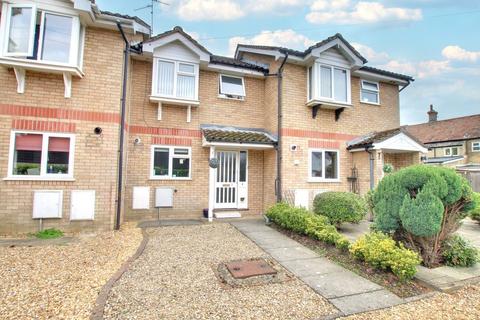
(175, 278)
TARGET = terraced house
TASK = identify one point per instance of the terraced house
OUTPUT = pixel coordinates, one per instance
(101, 123)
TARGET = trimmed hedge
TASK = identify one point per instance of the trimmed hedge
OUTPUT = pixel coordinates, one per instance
(340, 206)
(302, 221)
(381, 251)
(458, 252)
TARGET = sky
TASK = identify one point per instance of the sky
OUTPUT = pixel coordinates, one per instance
(435, 41)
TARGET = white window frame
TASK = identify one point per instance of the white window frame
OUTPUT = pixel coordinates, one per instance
(322, 179)
(171, 156)
(43, 162)
(316, 85)
(451, 151)
(221, 94)
(176, 63)
(476, 144)
(371, 91)
(6, 31)
(76, 40)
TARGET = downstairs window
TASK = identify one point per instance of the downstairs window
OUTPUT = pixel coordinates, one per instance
(170, 162)
(323, 165)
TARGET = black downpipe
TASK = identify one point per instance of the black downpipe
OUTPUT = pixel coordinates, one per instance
(279, 127)
(126, 56)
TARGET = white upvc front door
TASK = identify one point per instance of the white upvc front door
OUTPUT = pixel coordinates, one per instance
(231, 187)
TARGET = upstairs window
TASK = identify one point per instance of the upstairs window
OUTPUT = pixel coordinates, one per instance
(41, 35)
(370, 92)
(476, 146)
(328, 83)
(232, 87)
(175, 79)
(41, 155)
(452, 151)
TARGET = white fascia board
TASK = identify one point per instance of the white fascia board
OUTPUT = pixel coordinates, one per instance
(273, 53)
(400, 142)
(349, 54)
(150, 46)
(234, 70)
(378, 77)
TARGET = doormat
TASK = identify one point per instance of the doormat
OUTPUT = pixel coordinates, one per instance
(251, 272)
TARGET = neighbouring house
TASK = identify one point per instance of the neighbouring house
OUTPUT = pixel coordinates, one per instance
(95, 132)
(451, 142)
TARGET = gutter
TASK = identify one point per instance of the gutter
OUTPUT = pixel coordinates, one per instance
(279, 75)
(408, 83)
(123, 102)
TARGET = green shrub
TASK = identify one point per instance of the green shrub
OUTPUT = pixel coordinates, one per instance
(302, 221)
(381, 251)
(474, 213)
(49, 234)
(388, 168)
(459, 253)
(422, 206)
(340, 206)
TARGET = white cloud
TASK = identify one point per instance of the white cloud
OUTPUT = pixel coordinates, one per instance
(460, 54)
(420, 70)
(194, 10)
(370, 54)
(283, 38)
(268, 5)
(344, 12)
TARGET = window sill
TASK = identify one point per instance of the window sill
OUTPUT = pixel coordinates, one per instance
(28, 178)
(370, 103)
(312, 180)
(41, 66)
(328, 104)
(170, 179)
(221, 96)
(174, 101)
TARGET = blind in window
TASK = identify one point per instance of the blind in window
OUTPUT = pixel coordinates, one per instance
(166, 75)
(326, 82)
(186, 86)
(340, 84)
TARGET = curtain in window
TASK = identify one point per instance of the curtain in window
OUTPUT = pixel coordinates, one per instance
(326, 82)
(186, 86)
(166, 75)
(340, 85)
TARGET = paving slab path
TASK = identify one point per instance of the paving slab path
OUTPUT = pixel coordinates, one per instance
(347, 291)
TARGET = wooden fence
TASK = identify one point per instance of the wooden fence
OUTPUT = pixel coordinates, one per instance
(473, 177)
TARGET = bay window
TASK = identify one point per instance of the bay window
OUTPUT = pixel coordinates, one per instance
(41, 35)
(328, 83)
(41, 155)
(170, 162)
(370, 92)
(175, 79)
(323, 165)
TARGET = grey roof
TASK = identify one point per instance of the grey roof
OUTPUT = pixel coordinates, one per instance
(236, 63)
(309, 49)
(369, 139)
(216, 133)
(439, 160)
(387, 73)
(183, 33)
(126, 16)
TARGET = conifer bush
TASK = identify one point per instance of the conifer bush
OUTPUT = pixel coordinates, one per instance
(421, 206)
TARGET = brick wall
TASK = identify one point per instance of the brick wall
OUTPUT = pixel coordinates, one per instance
(94, 103)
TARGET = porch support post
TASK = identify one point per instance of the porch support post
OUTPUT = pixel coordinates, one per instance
(211, 186)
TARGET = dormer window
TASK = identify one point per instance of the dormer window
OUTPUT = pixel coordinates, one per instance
(328, 83)
(41, 35)
(175, 79)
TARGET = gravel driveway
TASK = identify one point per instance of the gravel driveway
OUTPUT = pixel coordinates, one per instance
(174, 278)
(61, 282)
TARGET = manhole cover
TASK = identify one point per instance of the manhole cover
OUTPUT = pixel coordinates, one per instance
(249, 268)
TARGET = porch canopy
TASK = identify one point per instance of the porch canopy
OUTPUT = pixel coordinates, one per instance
(390, 141)
(234, 137)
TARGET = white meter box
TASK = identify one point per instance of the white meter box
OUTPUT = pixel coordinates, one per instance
(47, 204)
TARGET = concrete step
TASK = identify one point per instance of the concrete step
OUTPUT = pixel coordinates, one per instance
(227, 214)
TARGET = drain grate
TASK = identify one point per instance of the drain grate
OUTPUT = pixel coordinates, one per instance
(243, 269)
